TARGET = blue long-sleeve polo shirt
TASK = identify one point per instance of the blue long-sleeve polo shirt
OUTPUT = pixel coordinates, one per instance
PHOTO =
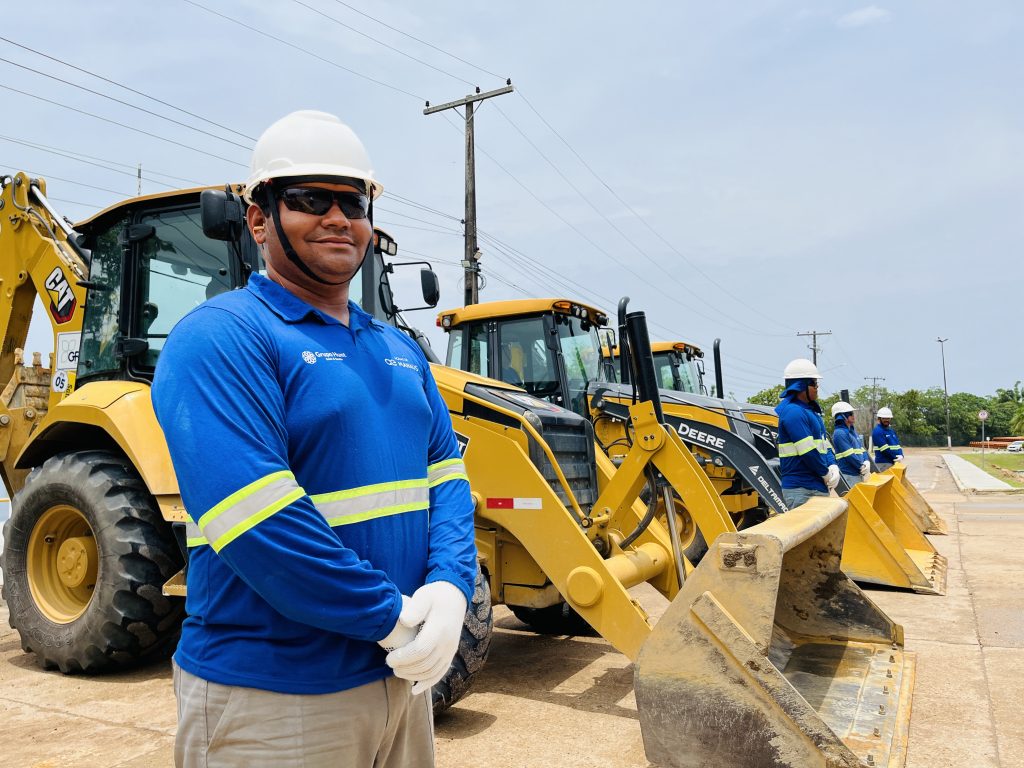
(850, 453)
(804, 452)
(318, 465)
(887, 444)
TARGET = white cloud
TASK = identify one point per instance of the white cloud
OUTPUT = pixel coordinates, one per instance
(870, 14)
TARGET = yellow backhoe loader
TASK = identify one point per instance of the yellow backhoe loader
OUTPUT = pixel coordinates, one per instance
(91, 550)
(884, 541)
(527, 343)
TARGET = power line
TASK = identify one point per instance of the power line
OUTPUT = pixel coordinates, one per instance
(122, 102)
(641, 219)
(422, 42)
(125, 87)
(629, 241)
(72, 155)
(48, 177)
(122, 125)
(382, 43)
(303, 50)
(594, 245)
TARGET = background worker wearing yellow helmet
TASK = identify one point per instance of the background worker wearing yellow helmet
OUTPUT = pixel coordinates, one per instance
(806, 461)
(849, 447)
(888, 450)
(331, 552)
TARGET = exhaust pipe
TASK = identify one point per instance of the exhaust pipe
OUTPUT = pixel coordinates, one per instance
(720, 394)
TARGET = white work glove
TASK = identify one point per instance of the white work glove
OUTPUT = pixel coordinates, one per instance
(832, 477)
(865, 469)
(896, 459)
(400, 635)
(440, 608)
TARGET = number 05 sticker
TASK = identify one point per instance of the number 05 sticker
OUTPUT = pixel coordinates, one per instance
(60, 381)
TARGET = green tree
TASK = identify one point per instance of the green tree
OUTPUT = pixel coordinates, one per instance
(909, 418)
(1013, 395)
(1017, 423)
(769, 397)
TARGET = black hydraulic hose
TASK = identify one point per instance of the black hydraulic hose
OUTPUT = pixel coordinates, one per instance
(718, 369)
(652, 510)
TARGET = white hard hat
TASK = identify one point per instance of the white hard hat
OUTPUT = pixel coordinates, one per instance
(841, 407)
(801, 369)
(884, 413)
(310, 143)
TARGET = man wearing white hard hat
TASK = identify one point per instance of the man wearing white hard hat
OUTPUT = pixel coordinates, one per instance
(888, 450)
(806, 461)
(849, 447)
(331, 551)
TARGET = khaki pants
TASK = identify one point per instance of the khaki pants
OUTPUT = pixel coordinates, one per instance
(378, 725)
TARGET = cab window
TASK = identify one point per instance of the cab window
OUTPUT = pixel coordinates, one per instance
(100, 324)
(525, 360)
(179, 269)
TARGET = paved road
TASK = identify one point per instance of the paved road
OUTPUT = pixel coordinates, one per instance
(545, 701)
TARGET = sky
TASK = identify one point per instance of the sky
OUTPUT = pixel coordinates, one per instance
(743, 171)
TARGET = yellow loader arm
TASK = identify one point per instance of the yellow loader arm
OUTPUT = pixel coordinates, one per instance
(37, 258)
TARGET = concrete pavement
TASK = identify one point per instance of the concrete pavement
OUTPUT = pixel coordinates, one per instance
(972, 479)
(568, 701)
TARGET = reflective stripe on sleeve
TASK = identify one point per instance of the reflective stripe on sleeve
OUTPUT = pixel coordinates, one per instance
(846, 453)
(248, 507)
(885, 447)
(443, 471)
(194, 535)
(800, 447)
(372, 501)
(258, 501)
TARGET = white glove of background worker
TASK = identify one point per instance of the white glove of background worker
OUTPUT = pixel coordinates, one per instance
(400, 635)
(441, 609)
(865, 469)
(832, 478)
(896, 459)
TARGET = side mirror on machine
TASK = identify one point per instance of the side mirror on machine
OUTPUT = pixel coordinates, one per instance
(223, 214)
(431, 287)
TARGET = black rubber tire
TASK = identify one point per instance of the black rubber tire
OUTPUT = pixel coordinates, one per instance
(474, 645)
(558, 619)
(127, 619)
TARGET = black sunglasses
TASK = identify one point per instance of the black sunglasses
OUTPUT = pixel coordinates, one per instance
(317, 201)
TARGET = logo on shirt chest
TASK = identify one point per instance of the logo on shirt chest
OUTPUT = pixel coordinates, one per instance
(312, 357)
(401, 362)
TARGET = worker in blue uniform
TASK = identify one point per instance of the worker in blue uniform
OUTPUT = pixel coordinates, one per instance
(806, 461)
(331, 553)
(849, 447)
(888, 450)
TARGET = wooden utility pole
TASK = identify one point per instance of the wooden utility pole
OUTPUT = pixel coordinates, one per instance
(471, 259)
(874, 388)
(814, 342)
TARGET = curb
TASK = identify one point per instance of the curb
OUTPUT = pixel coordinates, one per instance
(972, 490)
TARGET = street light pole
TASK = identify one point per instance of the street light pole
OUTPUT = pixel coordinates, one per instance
(945, 390)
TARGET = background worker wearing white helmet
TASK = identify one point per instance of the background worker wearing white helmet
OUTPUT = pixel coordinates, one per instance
(331, 514)
(888, 450)
(807, 463)
(850, 454)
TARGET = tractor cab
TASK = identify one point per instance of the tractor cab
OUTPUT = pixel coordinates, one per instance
(156, 258)
(678, 366)
(549, 347)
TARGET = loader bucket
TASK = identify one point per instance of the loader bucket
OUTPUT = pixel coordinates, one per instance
(770, 656)
(914, 505)
(883, 546)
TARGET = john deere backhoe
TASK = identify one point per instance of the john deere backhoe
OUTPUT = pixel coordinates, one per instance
(775, 633)
(529, 343)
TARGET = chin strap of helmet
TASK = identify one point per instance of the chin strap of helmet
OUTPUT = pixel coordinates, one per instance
(271, 204)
